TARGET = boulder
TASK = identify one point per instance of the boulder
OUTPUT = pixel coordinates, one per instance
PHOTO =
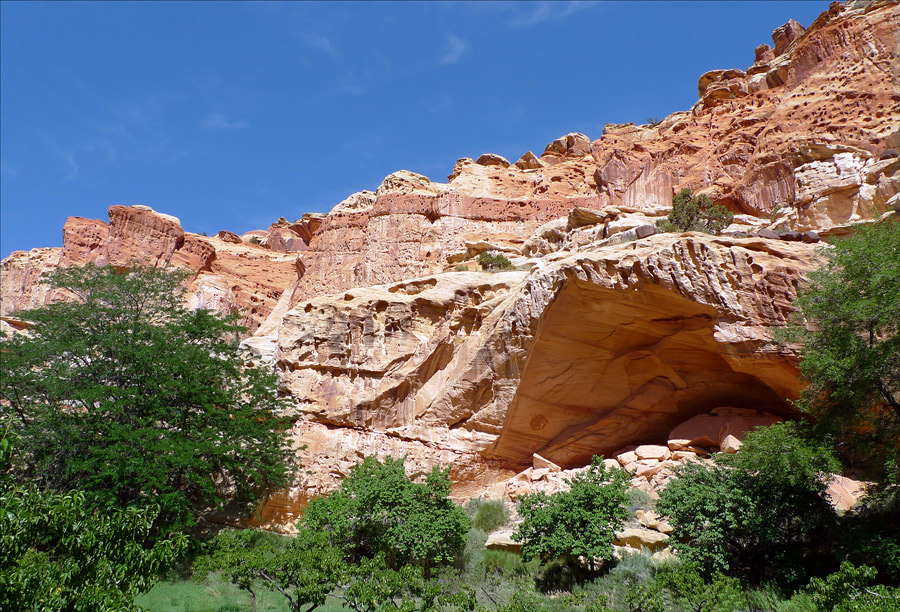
(229, 237)
(730, 444)
(539, 462)
(784, 36)
(461, 163)
(404, 181)
(652, 451)
(574, 144)
(492, 159)
(640, 538)
(529, 161)
(763, 53)
(843, 492)
(627, 458)
(502, 540)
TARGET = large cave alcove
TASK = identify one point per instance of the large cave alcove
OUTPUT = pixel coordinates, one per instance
(609, 368)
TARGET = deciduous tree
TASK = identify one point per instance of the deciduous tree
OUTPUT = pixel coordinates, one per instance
(578, 523)
(124, 394)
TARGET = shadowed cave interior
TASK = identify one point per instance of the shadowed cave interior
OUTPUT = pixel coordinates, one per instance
(609, 368)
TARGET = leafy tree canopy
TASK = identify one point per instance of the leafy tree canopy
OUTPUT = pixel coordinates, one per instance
(757, 514)
(850, 334)
(849, 590)
(378, 509)
(494, 261)
(692, 213)
(56, 554)
(580, 522)
(124, 394)
(371, 543)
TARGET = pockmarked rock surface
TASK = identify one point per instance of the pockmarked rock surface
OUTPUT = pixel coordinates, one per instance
(607, 337)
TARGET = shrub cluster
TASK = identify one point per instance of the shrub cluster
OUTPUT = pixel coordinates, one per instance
(494, 261)
(692, 213)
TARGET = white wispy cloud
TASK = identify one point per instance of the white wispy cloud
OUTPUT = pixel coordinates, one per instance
(456, 48)
(70, 165)
(218, 121)
(7, 170)
(319, 42)
(539, 12)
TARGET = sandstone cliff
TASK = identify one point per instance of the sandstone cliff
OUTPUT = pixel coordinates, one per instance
(607, 337)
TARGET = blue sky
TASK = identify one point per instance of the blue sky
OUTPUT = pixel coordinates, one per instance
(230, 115)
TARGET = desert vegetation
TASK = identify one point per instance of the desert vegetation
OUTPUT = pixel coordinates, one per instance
(695, 213)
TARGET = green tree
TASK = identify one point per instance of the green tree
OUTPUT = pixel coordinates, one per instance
(57, 554)
(578, 523)
(758, 514)
(692, 593)
(494, 261)
(378, 509)
(849, 590)
(692, 213)
(850, 335)
(305, 571)
(372, 543)
(124, 394)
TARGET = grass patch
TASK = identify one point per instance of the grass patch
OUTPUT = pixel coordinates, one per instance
(215, 595)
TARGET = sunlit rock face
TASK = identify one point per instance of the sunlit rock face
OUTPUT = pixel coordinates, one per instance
(582, 354)
(20, 276)
(606, 336)
(229, 275)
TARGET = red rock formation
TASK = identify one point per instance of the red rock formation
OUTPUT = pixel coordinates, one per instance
(606, 336)
(230, 276)
(20, 275)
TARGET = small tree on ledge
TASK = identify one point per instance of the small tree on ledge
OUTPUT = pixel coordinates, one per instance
(692, 213)
(494, 261)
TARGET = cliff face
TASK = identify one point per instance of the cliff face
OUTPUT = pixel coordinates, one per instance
(607, 335)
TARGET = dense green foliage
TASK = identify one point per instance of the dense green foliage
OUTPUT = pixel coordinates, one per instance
(580, 522)
(122, 393)
(379, 510)
(494, 261)
(372, 544)
(692, 213)
(851, 347)
(487, 515)
(849, 590)
(758, 514)
(56, 554)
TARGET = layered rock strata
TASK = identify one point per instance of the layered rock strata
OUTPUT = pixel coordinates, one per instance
(606, 336)
(229, 276)
(583, 353)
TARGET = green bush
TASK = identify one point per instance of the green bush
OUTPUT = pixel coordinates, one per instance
(494, 261)
(849, 590)
(692, 213)
(760, 514)
(578, 524)
(379, 510)
(461, 268)
(487, 515)
(639, 500)
(689, 591)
